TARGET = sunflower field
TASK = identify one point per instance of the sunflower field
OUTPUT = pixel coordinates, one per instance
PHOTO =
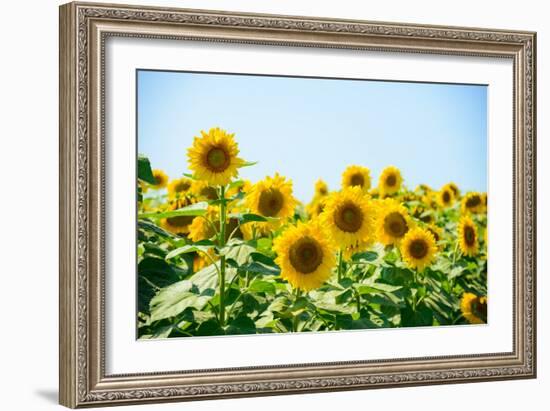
(219, 255)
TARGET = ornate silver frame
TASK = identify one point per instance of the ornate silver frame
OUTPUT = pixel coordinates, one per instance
(83, 30)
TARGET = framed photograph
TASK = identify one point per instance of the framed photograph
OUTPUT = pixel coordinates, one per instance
(260, 205)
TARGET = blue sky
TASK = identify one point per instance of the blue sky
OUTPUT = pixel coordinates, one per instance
(307, 128)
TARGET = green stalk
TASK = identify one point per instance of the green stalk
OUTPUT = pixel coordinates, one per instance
(339, 265)
(221, 243)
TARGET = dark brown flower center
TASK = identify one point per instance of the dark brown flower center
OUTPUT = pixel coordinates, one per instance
(217, 159)
(180, 221)
(395, 225)
(391, 180)
(434, 233)
(473, 201)
(209, 192)
(418, 248)
(271, 202)
(348, 217)
(182, 186)
(446, 197)
(306, 255)
(357, 180)
(479, 308)
(320, 207)
(469, 235)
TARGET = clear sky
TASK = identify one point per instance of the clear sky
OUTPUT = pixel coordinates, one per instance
(307, 129)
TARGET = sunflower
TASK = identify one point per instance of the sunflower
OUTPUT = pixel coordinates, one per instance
(472, 203)
(305, 255)
(353, 249)
(244, 188)
(349, 217)
(454, 188)
(143, 186)
(213, 157)
(422, 189)
(321, 188)
(445, 197)
(430, 200)
(474, 308)
(161, 179)
(374, 192)
(316, 207)
(418, 248)
(436, 232)
(272, 197)
(357, 176)
(179, 186)
(203, 191)
(390, 181)
(205, 227)
(178, 224)
(467, 236)
(392, 222)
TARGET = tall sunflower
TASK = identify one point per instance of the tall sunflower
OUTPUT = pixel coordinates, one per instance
(161, 179)
(357, 176)
(213, 157)
(272, 197)
(390, 181)
(474, 308)
(179, 186)
(305, 255)
(392, 222)
(418, 248)
(445, 197)
(467, 236)
(472, 203)
(178, 224)
(321, 188)
(349, 217)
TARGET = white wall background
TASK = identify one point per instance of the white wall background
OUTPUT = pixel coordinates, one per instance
(28, 206)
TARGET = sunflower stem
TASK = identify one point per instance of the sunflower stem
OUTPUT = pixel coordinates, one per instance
(221, 243)
(339, 265)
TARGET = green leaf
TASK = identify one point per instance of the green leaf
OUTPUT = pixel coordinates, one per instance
(144, 170)
(154, 274)
(188, 249)
(194, 292)
(208, 328)
(249, 163)
(174, 299)
(196, 209)
(372, 286)
(241, 325)
(147, 225)
(260, 286)
(251, 218)
(238, 251)
(367, 255)
(261, 264)
(422, 316)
